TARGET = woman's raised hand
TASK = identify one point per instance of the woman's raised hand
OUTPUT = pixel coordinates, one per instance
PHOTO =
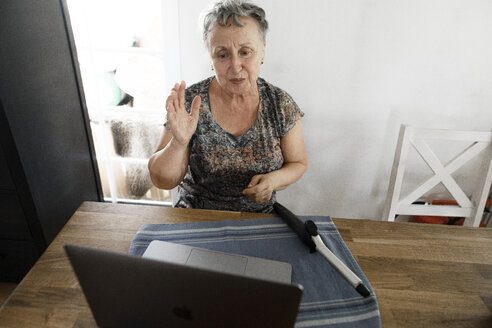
(182, 124)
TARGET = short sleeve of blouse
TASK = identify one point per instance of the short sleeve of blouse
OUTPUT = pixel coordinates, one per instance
(290, 113)
(281, 108)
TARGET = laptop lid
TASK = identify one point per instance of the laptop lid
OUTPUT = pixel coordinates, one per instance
(219, 261)
(130, 291)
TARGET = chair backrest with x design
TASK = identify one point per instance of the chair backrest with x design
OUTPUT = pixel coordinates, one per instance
(471, 209)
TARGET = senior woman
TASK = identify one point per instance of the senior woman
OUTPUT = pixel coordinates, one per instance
(232, 140)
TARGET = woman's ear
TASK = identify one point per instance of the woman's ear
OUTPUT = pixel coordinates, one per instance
(263, 57)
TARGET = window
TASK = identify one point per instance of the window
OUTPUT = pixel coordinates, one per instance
(126, 72)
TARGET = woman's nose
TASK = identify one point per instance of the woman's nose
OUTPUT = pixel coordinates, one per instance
(236, 64)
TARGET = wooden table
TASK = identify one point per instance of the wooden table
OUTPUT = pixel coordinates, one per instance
(423, 275)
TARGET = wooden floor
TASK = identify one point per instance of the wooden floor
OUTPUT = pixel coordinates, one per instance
(5, 289)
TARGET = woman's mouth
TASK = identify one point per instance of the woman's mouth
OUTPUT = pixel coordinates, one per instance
(237, 81)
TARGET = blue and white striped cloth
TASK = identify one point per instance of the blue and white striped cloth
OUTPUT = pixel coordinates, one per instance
(328, 299)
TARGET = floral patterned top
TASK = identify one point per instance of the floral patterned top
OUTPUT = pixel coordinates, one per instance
(221, 165)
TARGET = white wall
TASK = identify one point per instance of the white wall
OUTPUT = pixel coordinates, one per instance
(359, 69)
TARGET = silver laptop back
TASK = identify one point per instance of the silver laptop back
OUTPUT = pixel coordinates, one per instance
(129, 291)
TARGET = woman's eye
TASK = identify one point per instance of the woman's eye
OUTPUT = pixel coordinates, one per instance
(245, 52)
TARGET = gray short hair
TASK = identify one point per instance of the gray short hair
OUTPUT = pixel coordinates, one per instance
(223, 10)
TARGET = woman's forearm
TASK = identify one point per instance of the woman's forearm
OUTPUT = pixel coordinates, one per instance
(167, 167)
(288, 174)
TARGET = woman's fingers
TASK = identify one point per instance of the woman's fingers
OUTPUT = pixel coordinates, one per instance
(259, 189)
(260, 198)
(195, 107)
(176, 105)
(171, 98)
(176, 97)
(181, 94)
(181, 123)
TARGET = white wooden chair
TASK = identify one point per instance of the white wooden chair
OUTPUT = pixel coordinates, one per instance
(472, 209)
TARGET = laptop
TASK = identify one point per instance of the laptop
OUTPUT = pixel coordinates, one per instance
(130, 291)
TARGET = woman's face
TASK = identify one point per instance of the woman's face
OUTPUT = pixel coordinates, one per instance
(237, 53)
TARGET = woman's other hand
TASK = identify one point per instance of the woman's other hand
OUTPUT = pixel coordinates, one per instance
(260, 188)
(182, 124)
